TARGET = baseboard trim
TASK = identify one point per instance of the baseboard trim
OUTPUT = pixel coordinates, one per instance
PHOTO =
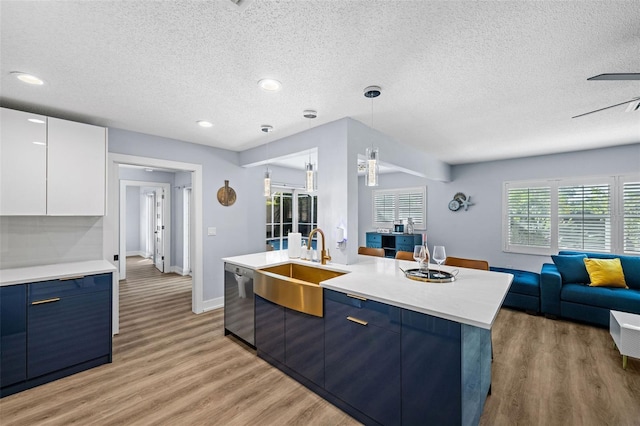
(136, 253)
(178, 270)
(211, 304)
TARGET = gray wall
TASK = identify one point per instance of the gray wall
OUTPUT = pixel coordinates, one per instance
(240, 227)
(133, 220)
(477, 233)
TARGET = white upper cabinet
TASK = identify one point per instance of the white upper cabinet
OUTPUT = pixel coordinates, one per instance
(23, 163)
(76, 162)
(55, 167)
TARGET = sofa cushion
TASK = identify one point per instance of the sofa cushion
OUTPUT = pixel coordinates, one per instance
(605, 273)
(571, 268)
(524, 282)
(630, 265)
(618, 299)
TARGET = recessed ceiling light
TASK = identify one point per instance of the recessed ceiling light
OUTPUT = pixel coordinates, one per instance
(28, 78)
(38, 143)
(270, 85)
(203, 123)
(148, 170)
(36, 120)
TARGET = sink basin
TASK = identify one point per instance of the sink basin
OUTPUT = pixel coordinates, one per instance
(293, 286)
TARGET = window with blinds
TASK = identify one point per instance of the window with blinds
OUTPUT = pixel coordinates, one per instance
(400, 204)
(584, 217)
(529, 213)
(631, 217)
(600, 214)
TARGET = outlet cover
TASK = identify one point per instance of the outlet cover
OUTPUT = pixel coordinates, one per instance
(211, 231)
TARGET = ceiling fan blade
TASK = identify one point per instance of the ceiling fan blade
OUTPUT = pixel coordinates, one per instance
(602, 109)
(614, 76)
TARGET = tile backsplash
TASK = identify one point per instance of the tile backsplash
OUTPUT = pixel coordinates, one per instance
(43, 240)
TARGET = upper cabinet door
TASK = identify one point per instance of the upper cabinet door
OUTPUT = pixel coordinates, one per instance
(76, 169)
(23, 161)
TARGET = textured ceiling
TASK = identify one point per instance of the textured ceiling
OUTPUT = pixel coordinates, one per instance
(464, 81)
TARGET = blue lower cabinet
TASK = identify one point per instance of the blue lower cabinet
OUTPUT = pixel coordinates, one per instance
(362, 360)
(431, 373)
(269, 329)
(53, 329)
(446, 370)
(304, 345)
(13, 334)
(68, 331)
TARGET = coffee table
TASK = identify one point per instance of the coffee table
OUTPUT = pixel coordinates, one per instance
(625, 330)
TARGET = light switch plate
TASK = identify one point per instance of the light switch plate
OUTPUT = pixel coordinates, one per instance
(211, 231)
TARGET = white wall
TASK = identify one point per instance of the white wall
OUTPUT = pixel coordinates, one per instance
(181, 180)
(477, 233)
(133, 245)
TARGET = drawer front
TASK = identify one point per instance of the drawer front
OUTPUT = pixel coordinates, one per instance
(374, 240)
(369, 311)
(68, 331)
(405, 241)
(69, 287)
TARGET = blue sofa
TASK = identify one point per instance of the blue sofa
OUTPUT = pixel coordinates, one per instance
(524, 292)
(579, 301)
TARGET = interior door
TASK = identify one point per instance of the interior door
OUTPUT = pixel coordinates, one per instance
(158, 257)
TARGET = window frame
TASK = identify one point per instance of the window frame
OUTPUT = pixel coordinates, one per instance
(396, 192)
(616, 212)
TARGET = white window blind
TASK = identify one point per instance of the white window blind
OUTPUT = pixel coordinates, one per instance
(411, 205)
(631, 217)
(529, 213)
(584, 217)
(600, 214)
(400, 204)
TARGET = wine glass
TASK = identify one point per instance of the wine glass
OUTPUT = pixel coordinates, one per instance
(419, 254)
(439, 255)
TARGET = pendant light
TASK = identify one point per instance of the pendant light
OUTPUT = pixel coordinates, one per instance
(372, 158)
(311, 179)
(267, 174)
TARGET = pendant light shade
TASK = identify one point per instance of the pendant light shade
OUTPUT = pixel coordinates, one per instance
(310, 181)
(267, 174)
(311, 174)
(267, 183)
(371, 174)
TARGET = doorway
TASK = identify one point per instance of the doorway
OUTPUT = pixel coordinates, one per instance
(111, 223)
(155, 223)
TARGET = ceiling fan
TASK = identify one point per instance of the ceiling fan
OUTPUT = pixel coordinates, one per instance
(634, 103)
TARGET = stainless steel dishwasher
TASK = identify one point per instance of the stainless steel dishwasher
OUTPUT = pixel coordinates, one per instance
(238, 303)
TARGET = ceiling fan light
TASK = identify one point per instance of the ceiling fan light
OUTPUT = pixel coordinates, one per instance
(28, 78)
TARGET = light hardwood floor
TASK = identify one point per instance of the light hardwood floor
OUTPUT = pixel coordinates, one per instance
(172, 367)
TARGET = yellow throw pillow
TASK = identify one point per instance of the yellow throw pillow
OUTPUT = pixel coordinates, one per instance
(605, 273)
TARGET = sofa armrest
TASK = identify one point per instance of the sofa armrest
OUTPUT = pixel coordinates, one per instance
(550, 287)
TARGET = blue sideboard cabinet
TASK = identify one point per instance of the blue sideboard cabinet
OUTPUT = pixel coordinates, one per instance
(56, 328)
(391, 243)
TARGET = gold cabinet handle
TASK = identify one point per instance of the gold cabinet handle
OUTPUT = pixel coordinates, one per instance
(357, 321)
(78, 277)
(40, 302)
(354, 296)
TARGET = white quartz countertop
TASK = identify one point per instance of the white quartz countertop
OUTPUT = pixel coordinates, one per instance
(474, 298)
(52, 272)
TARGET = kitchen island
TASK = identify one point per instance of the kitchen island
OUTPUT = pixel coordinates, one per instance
(388, 350)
